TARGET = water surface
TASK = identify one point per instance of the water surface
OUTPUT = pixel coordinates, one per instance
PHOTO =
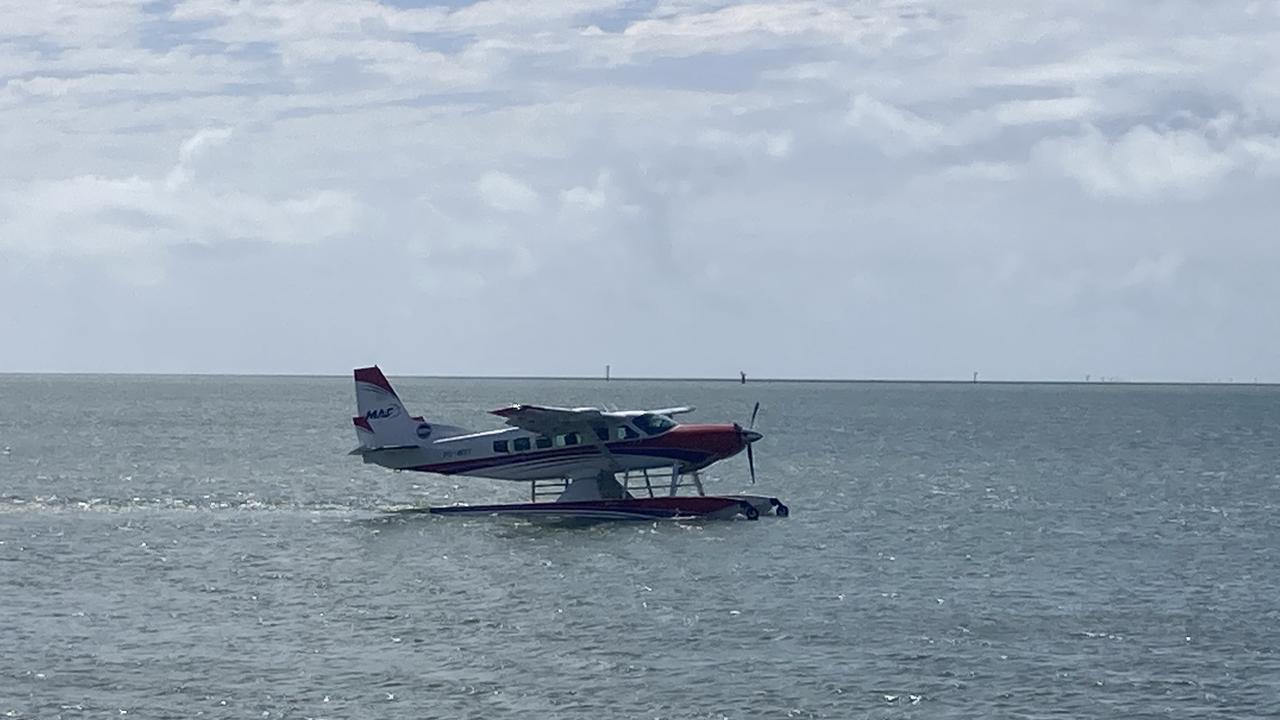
(202, 546)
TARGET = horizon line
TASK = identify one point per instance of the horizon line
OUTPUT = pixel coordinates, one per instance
(730, 380)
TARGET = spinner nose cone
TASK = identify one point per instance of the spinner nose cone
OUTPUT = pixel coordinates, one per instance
(751, 436)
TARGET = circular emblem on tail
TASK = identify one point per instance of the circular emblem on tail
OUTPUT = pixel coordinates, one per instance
(424, 431)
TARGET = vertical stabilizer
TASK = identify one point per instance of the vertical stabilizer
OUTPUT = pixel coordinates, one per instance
(383, 420)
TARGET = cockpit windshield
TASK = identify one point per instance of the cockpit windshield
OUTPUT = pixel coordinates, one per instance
(653, 424)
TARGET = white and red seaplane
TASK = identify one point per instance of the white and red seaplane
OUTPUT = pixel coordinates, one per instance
(596, 464)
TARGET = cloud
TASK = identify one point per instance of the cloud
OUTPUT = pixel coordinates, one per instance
(504, 192)
(1046, 110)
(1161, 270)
(864, 179)
(1260, 151)
(897, 131)
(135, 218)
(985, 171)
(587, 199)
(190, 152)
(735, 26)
(1142, 163)
(774, 145)
(893, 129)
(1146, 163)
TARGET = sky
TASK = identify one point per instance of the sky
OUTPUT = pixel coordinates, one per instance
(800, 188)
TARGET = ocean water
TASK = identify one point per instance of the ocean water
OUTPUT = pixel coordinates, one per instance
(175, 547)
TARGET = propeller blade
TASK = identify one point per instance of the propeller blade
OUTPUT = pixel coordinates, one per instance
(754, 411)
(751, 463)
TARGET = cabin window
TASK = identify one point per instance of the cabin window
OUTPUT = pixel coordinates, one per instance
(625, 432)
(543, 441)
(520, 444)
(653, 424)
(602, 432)
(568, 439)
(500, 446)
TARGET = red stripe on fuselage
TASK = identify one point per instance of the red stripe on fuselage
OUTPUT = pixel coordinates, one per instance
(486, 462)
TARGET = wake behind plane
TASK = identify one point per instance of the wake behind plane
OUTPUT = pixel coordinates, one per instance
(581, 463)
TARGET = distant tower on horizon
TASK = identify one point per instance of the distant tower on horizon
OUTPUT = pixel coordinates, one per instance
(606, 373)
(742, 377)
(975, 376)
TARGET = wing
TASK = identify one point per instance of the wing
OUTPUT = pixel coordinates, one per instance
(549, 420)
(671, 411)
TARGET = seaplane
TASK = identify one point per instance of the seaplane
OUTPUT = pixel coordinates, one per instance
(581, 464)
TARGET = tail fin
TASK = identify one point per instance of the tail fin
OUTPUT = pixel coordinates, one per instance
(383, 422)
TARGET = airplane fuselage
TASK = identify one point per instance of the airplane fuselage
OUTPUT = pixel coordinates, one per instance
(516, 454)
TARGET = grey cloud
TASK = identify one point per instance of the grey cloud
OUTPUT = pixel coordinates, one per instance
(879, 189)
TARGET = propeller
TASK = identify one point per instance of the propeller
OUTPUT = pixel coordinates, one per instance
(749, 436)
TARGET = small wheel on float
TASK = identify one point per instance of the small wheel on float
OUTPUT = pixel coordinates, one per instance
(781, 510)
(750, 511)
